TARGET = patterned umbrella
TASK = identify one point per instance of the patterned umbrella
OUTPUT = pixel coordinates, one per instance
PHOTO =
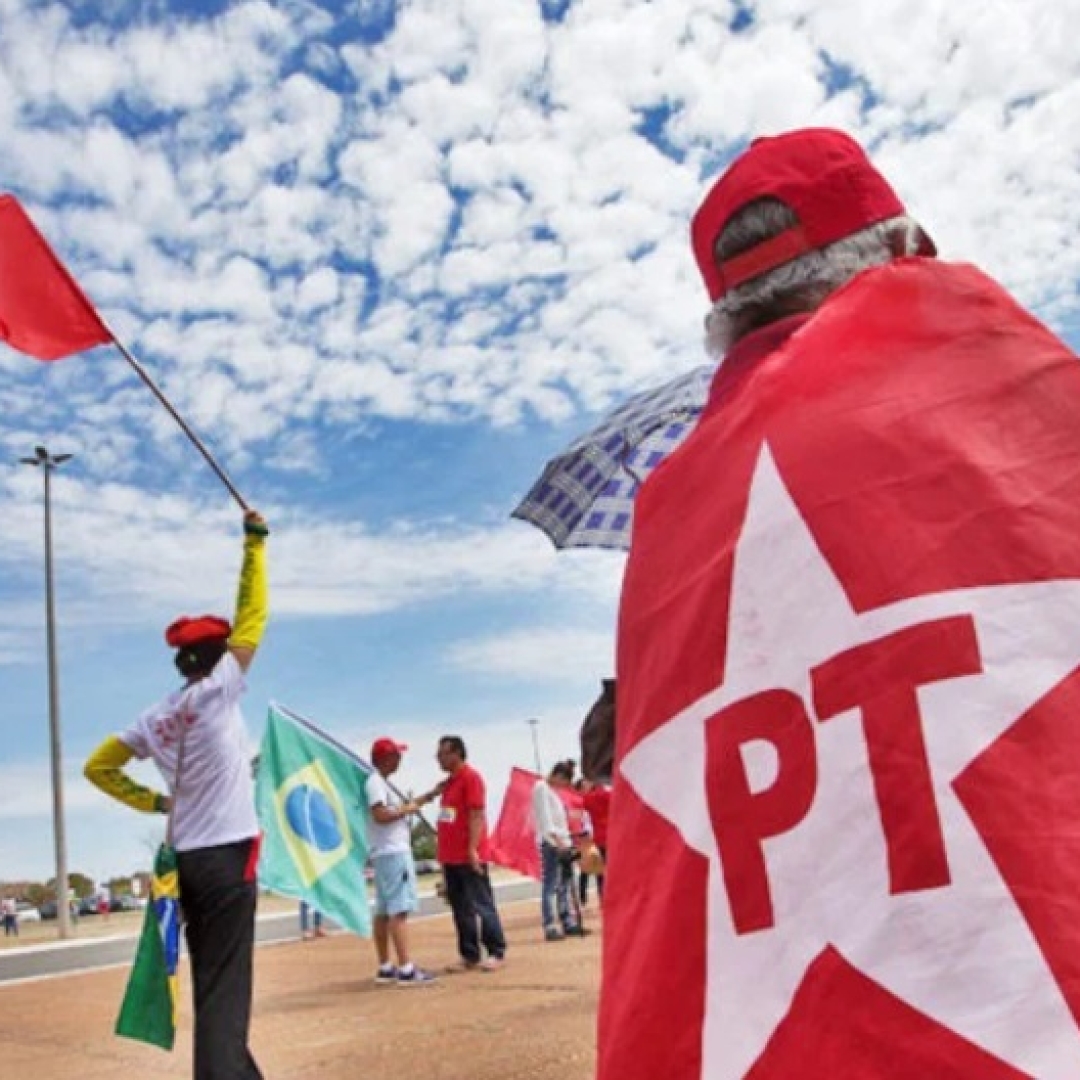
(585, 496)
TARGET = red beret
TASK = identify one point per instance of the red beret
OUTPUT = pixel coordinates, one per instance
(187, 631)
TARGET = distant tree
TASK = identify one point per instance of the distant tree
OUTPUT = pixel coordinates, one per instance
(83, 885)
(38, 894)
(78, 883)
(119, 886)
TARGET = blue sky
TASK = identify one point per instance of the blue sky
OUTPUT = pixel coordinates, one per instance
(389, 257)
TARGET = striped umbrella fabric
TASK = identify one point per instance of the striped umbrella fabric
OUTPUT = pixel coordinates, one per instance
(585, 496)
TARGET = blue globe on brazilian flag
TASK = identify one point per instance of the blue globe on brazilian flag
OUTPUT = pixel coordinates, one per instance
(313, 813)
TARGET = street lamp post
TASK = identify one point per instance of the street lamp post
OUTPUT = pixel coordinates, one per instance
(47, 463)
(534, 723)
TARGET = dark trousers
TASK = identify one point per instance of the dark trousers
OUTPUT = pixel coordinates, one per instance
(218, 893)
(556, 881)
(473, 904)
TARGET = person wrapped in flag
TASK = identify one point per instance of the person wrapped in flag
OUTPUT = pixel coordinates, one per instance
(196, 737)
(844, 827)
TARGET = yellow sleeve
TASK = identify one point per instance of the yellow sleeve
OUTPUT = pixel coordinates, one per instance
(104, 768)
(252, 602)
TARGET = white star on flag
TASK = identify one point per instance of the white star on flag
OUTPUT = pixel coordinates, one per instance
(960, 952)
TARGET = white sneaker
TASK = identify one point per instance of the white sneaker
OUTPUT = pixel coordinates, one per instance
(416, 977)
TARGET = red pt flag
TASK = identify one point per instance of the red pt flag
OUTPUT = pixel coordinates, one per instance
(513, 844)
(43, 312)
(847, 841)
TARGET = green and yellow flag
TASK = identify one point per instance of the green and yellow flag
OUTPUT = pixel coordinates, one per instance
(309, 791)
(148, 1011)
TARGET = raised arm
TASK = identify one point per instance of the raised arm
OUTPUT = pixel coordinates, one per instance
(252, 602)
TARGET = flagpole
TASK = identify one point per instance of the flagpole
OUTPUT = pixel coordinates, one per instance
(195, 440)
(48, 463)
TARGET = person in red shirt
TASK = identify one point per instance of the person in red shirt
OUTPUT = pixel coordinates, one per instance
(462, 851)
(596, 799)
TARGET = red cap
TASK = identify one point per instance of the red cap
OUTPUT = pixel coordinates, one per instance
(187, 631)
(824, 176)
(381, 748)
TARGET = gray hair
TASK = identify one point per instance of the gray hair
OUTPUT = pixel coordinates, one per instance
(802, 284)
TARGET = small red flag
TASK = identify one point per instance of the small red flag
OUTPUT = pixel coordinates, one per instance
(513, 843)
(43, 312)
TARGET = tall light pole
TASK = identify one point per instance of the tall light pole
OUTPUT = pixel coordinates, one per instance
(47, 463)
(534, 723)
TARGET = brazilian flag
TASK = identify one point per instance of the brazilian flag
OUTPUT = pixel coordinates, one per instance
(309, 790)
(148, 1011)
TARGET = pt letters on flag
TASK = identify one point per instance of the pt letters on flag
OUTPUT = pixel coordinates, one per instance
(43, 312)
(149, 1009)
(846, 829)
(513, 843)
(313, 813)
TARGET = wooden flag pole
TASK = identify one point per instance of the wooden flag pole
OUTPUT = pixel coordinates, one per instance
(195, 440)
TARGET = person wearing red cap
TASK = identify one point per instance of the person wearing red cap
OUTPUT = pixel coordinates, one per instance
(390, 844)
(791, 221)
(845, 779)
(197, 739)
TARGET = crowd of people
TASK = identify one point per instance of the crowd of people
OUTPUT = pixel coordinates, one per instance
(570, 818)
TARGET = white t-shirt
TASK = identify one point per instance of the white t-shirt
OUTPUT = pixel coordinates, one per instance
(215, 803)
(549, 814)
(394, 838)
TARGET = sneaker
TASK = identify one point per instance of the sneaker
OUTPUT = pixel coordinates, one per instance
(386, 975)
(416, 977)
(492, 963)
(553, 933)
(577, 931)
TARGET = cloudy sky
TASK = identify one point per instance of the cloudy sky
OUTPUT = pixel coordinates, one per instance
(388, 257)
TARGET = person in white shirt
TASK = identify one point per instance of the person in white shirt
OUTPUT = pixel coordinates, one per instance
(197, 739)
(390, 845)
(556, 853)
(11, 916)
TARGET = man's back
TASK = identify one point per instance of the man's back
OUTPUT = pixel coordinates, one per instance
(215, 803)
(915, 443)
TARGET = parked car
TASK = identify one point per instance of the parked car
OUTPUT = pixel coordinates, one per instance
(127, 903)
(427, 866)
(27, 912)
(48, 910)
(88, 905)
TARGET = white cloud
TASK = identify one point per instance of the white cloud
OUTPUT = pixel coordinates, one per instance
(137, 554)
(244, 184)
(539, 655)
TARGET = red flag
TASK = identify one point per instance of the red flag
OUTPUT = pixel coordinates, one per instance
(848, 837)
(513, 844)
(43, 312)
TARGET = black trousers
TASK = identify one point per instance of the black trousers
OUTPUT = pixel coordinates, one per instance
(218, 894)
(473, 904)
